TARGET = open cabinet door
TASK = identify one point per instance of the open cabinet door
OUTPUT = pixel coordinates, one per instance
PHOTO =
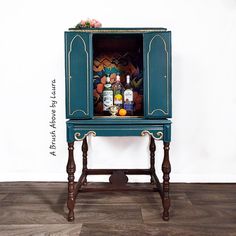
(78, 64)
(157, 74)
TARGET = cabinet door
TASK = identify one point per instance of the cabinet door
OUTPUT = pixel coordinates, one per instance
(78, 69)
(157, 74)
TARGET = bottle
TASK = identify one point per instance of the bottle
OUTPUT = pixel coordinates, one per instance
(128, 97)
(118, 93)
(107, 95)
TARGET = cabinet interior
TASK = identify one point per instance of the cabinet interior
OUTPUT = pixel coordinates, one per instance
(118, 54)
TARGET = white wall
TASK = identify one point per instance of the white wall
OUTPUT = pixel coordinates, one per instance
(204, 84)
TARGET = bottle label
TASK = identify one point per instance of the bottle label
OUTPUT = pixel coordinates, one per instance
(107, 99)
(129, 106)
(118, 99)
(128, 95)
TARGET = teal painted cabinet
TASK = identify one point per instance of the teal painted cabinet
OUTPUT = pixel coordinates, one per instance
(78, 69)
(157, 74)
(90, 56)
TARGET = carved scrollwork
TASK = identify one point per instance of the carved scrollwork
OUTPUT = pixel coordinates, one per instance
(78, 136)
(157, 136)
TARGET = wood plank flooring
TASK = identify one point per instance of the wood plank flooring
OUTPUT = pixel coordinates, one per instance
(33, 208)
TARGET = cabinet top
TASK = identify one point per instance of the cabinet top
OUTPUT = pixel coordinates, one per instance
(118, 30)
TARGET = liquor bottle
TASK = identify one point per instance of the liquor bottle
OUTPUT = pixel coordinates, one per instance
(118, 92)
(128, 97)
(107, 95)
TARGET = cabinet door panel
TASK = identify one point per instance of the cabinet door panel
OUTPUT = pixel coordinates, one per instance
(78, 75)
(157, 74)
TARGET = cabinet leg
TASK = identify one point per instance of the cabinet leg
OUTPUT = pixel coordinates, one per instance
(152, 149)
(85, 161)
(71, 170)
(166, 168)
(151, 180)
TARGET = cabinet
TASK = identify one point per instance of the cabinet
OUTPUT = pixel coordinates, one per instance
(145, 54)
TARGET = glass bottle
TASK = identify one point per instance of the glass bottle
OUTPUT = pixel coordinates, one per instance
(107, 95)
(128, 97)
(118, 93)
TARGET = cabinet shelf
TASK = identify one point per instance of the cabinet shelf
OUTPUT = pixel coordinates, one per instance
(118, 54)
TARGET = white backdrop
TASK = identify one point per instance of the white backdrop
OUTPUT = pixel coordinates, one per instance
(203, 145)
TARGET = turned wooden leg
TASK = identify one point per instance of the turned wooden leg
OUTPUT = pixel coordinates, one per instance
(166, 168)
(152, 149)
(71, 170)
(85, 162)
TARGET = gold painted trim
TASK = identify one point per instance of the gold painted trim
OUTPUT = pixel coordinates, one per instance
(118, 31)
(165, 77)
(116, 128)
(70, 77)
(159, 134)
(77, 135)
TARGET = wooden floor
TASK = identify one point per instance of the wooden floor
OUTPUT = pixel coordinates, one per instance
(30, 208)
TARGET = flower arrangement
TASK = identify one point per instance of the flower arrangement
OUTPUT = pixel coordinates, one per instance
(89, 23)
